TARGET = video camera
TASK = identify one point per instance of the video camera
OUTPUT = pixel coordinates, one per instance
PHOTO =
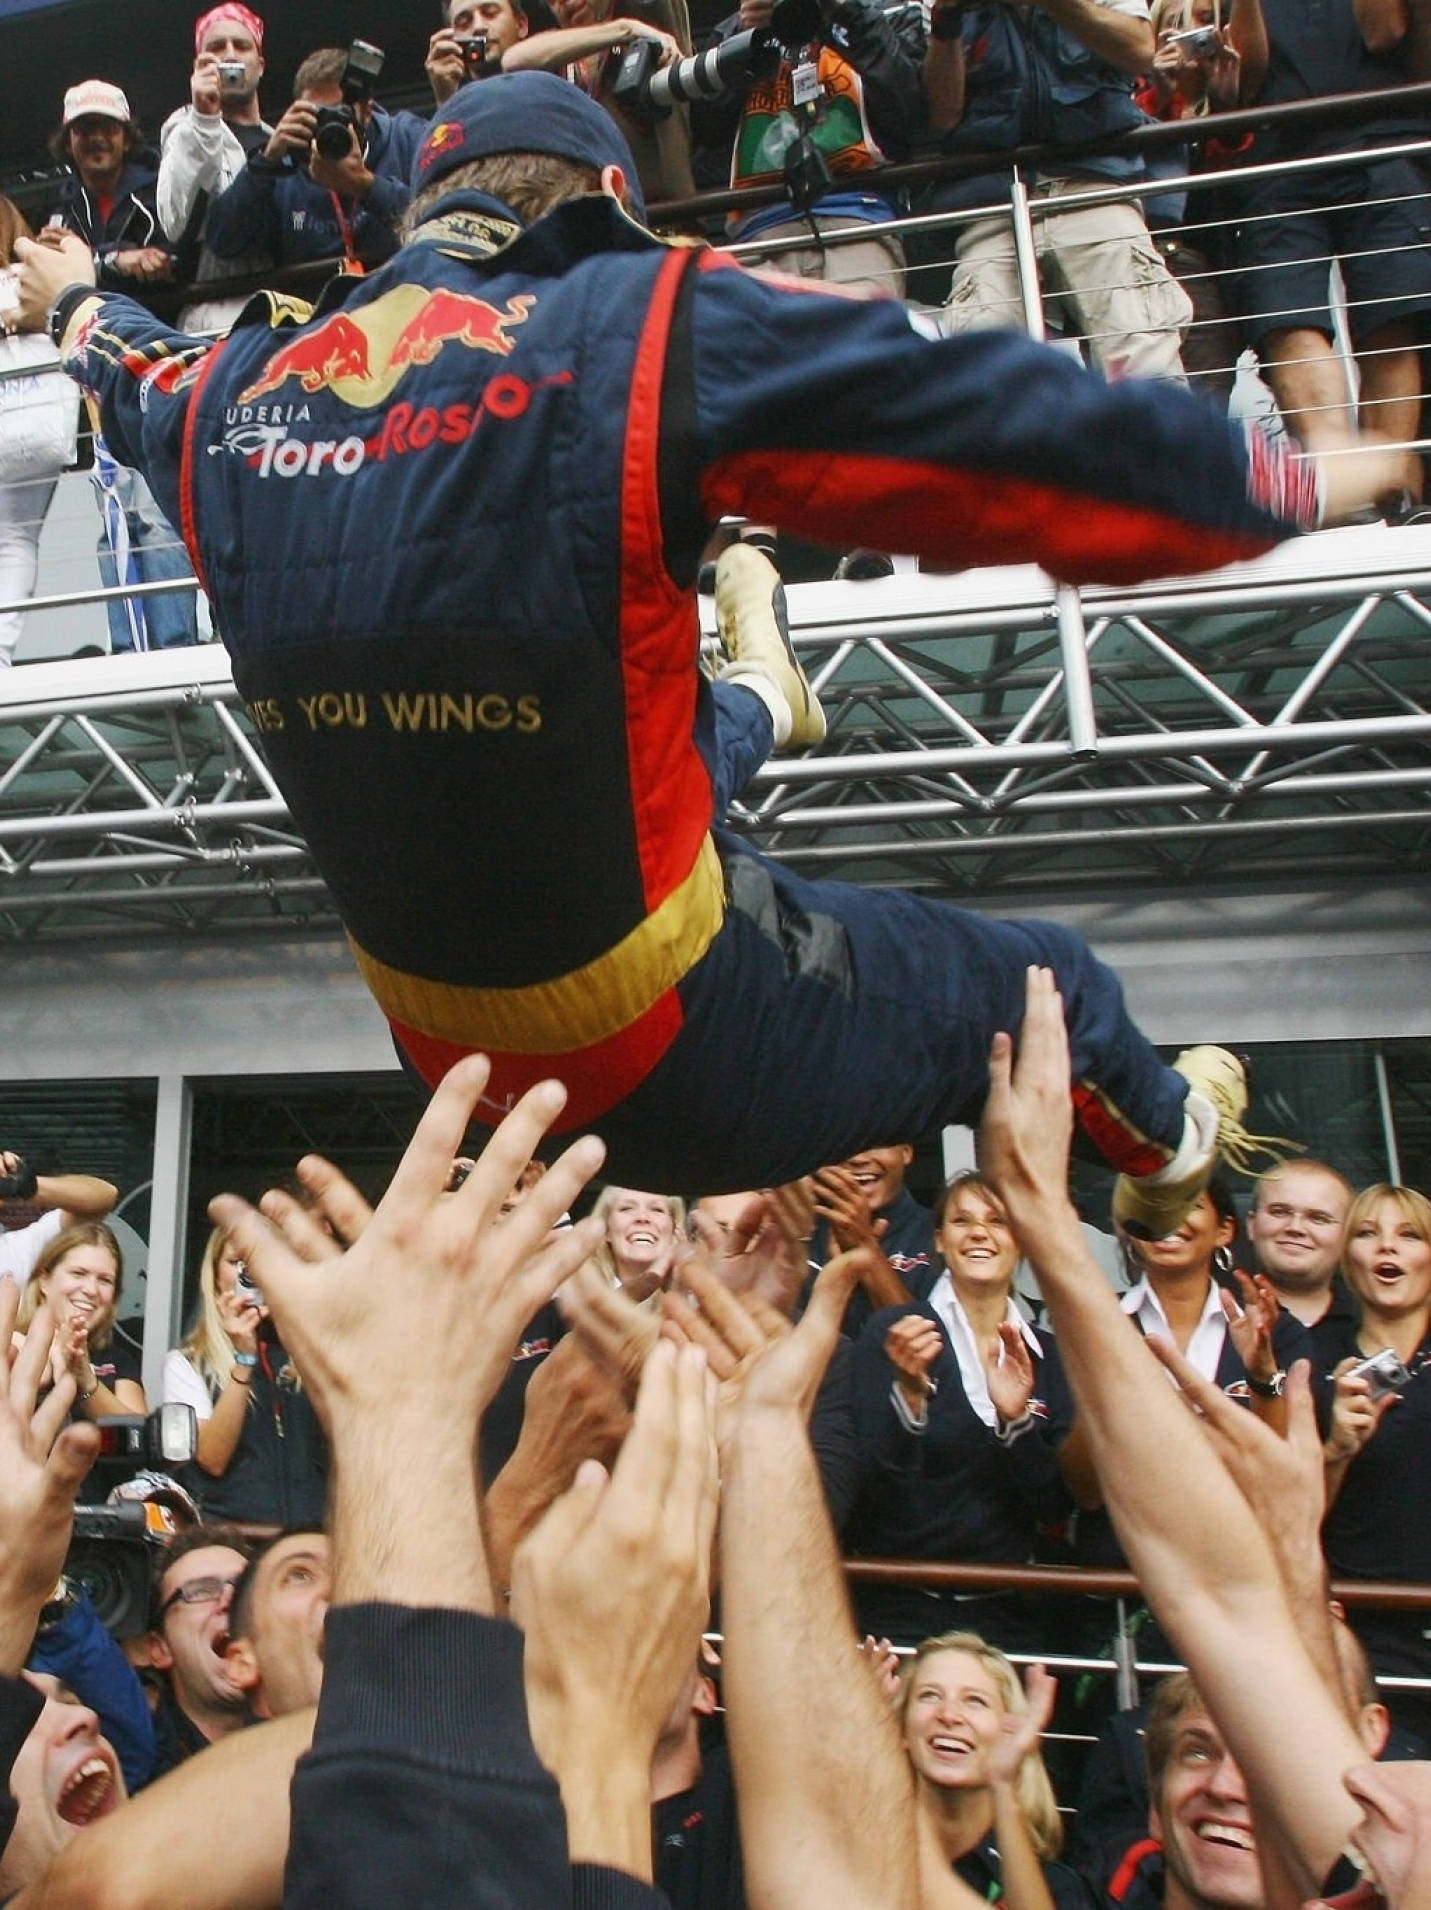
(118, 1549)
(338, 125)
(648, 91)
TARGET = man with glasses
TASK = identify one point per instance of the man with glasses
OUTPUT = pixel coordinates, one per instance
(199, 1700)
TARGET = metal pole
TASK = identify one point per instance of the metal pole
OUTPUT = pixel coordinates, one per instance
(1077, 678)
(168, 1205)
(1125, 1658)
(1388, 1119)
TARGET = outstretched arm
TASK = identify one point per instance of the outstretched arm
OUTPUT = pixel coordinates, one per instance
(76, 1196)
(828, 1816)
(1189, 1534)
(979, 449)
(423, 1781)
(116, 350)
(147, 1855)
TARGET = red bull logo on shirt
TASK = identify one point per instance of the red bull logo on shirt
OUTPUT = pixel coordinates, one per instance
(361, 356)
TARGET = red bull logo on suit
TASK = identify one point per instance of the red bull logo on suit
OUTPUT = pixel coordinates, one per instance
(361, 356)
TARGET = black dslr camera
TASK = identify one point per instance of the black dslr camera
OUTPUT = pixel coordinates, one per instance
(648, 91)
(21, 1184)
(118, 1549)
(337, 125)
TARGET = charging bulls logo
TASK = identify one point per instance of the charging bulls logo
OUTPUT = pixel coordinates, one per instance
(362, 355)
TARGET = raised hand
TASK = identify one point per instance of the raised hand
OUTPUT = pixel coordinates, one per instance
(612, 1591)
(1250, 1325)
(42, 1461)
(616, 1333)
(430, 1291)
(1281, 1479)
(1355, 1414)
(1008, 1372)
(761, 1361)
(1020, 1731)
(913, 1346)
(1027, 1123)
(404, 1337)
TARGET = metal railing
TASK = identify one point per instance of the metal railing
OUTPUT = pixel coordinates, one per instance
(986, 731)
(1121, 1588)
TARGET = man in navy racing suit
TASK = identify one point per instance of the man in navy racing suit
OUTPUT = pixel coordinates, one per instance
(451, 523)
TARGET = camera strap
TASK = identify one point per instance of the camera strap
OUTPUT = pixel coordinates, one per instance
(353, 266)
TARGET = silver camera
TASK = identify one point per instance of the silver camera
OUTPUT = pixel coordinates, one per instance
(1199, 43)
(231, 74)
(1383, 1373)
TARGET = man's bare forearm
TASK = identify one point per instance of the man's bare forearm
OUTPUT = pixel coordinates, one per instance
(85, 1196)
(827, 1816)
(212, 1835)
(405, 1522)
(1200, 1554)
(945, 83)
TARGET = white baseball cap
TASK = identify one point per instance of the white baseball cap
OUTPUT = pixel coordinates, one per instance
(95, 97)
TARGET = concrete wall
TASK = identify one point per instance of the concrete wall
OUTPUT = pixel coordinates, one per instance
(1355, 964)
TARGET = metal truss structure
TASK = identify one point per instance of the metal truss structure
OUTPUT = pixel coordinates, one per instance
(990, 734)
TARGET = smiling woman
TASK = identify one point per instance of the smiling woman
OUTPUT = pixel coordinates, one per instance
(641, 1234)
(972, 1737)
(79, 1276)
(1378, 1525)
(959, 1408)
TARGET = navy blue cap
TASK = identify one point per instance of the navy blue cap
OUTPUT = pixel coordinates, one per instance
(522, 113)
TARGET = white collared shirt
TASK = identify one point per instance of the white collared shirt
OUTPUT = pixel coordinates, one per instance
(946, 1303)
(1204, 1349)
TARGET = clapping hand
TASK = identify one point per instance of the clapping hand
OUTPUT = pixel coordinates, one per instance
(1250, 1324)
(42, 1462)
(1009, 1373)
(1020, 1731)
(912, 1346)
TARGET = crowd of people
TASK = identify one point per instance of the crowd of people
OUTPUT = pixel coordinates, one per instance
(813, 101)
(513, 1461)
(916, 1402)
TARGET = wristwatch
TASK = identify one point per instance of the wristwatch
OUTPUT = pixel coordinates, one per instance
(58, 317)
(1268, 1388)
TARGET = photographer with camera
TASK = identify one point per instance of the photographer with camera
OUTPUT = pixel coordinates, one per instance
(998, 76)
(331, 181)
(62, 1200)
(261, 1458)
(821, 92)
(205, 145)
(610, 55)
(473, 42)
(612, 50)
